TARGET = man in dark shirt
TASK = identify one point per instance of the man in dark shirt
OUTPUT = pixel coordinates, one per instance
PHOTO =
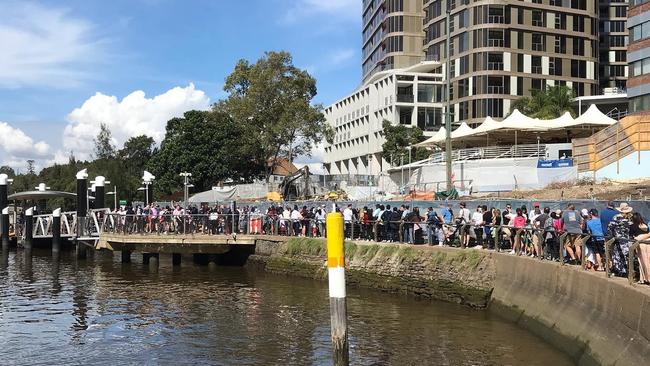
(607, 215)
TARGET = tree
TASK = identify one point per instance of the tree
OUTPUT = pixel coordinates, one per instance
(548, 103)
(138, 148)
(209, 144)
(398, 139)
(7, 170)
(104, 148)
(31, 170)
(273, 98)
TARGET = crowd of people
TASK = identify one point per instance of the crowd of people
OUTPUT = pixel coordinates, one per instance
(559, 234)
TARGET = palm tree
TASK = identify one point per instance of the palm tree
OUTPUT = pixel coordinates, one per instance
(548, 103)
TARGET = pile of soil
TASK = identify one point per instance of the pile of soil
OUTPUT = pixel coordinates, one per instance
(608, 190)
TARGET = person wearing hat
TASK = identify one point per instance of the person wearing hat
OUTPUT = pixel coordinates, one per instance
(619, 229)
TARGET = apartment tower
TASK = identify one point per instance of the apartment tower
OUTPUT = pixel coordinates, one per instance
(392, 35)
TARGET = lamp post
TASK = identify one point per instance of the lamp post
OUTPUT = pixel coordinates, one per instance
(409, 176)
(114, 194)
(147, 181)
(186, 182)
(448, 104)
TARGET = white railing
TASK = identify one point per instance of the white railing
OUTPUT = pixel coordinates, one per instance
(491, 152)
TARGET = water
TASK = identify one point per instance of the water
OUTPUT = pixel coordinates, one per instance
(104, 313)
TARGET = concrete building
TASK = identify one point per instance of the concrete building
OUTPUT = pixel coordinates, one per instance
(392, 35)
(411, 96)
(638, 56)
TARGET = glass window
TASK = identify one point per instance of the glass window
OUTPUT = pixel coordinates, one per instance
(636, 68)
(645, 30)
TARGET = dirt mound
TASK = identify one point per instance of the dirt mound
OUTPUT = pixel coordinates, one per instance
(585, 189)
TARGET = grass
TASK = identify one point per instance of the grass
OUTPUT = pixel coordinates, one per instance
(306, 246)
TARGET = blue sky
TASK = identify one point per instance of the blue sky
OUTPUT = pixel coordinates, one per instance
(67, 66)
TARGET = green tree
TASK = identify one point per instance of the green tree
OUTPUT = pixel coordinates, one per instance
(104, 147)
(398, 139)
(210, 145)
(7, 170)
(138, 148)
(273, 98)
(548, 103)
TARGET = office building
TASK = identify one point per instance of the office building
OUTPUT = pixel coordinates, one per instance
(411, 96)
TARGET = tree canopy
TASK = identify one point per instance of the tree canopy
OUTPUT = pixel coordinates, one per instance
(273, 98)
(208, 144)
(267, 115)
(548, 103)
(398, 139)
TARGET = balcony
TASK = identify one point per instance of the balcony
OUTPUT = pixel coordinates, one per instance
(495, 89)
(495, 42)
(495, 65)
(404, 98)
(496, 19)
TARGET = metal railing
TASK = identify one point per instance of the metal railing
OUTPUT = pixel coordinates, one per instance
(405, 98)
(491, 152)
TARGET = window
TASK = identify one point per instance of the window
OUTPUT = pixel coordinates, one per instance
(578, 46)
(578, 69)
(578, 23)
(538, 42)
(560, 44)
(538, 18)
(536, 65)
(463, 19)
(463, 42)
(560, 21)
(520, 15)
(495, 61)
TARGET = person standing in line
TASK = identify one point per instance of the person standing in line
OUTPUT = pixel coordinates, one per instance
(463, 219)
(519, 223)
(596, 243)
(348, 216)
(608, 215)
(572, 223)
(477, 224)
(487, 221)
(296, 217)
(448, 215)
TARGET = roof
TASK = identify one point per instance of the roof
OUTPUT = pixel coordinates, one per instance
(283, 167)
(517, 121)
(40, 195)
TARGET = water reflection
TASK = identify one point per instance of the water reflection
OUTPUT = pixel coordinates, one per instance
(101, 311)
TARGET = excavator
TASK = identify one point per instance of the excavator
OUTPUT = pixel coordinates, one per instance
(291, 190)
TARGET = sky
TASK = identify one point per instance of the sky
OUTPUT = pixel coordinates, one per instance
(68, 66)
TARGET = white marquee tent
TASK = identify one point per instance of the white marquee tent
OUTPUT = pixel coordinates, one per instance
(518, 122)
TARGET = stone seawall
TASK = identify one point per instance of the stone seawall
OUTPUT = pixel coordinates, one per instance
(596, 320)
(464, 277)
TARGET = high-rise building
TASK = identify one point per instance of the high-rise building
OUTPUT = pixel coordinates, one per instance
(392, 35)
(501, 50)
(613, 40)
(638, 56)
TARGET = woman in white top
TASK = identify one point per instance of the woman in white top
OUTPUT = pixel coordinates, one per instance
(477, 224)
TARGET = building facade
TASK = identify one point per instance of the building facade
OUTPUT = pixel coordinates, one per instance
(501, 50)
(638, 56)
(411, 96)
(613, 41)
(392, 35)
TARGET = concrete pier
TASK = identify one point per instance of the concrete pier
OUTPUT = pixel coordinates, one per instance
(176, 259)
(126, 256)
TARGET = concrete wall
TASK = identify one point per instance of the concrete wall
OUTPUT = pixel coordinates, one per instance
(596, 320)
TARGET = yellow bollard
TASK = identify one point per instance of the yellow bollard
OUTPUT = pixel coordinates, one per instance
(336, 276)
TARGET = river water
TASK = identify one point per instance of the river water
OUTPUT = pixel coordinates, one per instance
(102, 312)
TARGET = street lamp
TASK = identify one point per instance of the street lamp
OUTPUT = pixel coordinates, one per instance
(147, 180)
(114, 194)
(186, 183)
(448, 104)
(409, 176)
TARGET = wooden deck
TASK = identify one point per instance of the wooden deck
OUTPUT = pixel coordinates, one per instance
(209, 244)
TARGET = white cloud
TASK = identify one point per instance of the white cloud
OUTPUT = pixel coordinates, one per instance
(342, 9)
(132, 116)
(315, 161)
(45, 46)
(19, 145)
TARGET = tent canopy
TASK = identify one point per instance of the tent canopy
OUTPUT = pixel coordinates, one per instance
(532, 128)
